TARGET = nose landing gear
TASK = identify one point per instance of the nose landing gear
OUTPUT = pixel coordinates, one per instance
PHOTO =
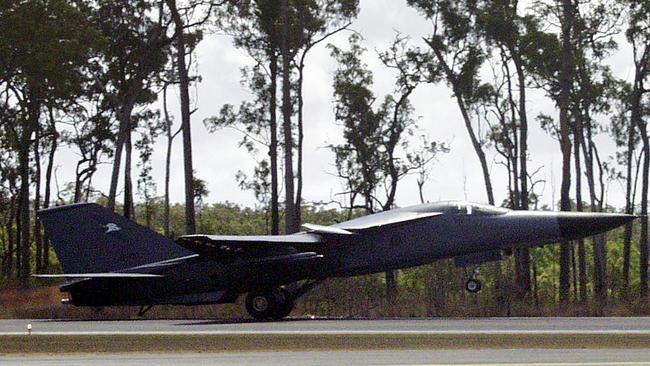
(473, 285)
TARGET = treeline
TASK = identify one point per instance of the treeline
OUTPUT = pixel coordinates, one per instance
(96, 76)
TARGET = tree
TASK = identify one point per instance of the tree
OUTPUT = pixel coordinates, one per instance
(184, 42)
(513, 36)
(316, 22)
(135, 53)
(376, 151)
(291, 219)
(253, 121)
(255, 27)
(638, 35)
(32, 32)
(456, 57)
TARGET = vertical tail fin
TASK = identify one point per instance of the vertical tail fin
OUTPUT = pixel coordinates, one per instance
(89, 238)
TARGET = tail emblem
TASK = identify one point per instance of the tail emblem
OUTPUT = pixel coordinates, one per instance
(110, 227)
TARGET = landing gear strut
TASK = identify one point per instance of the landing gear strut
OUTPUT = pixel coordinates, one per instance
(473, 285)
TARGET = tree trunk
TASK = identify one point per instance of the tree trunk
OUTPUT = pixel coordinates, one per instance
(565, 142)
(637, 119)
(629, 209)
(48, 184)
(301, 137)
(478, 148)
(38, 238)
(391, 290)
(124, 116)
(643, 241)
(168, 163)
(190, 217)
(582, 264)
(18, 238)
(524, 252)
(25, 219)
(128, 183)
(273, 148)
(10, 236)
(291, 215)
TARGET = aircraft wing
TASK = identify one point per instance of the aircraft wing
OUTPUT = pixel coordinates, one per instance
(327, 230)
(247, 272)
(98, 275)
(384, 220)
(231, 247)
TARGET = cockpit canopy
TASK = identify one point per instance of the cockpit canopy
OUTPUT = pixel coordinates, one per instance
(462, 208)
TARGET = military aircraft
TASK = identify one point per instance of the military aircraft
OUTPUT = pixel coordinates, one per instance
(109, 260)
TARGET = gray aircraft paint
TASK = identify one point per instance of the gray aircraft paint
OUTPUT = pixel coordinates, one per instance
(200, 269)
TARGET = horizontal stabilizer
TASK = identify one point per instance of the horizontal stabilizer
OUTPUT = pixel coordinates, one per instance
(98, 275)
(320, 229)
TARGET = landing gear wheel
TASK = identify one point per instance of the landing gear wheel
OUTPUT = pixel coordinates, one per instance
(261, 304)
(285, 307)
(473, 285)
(269, 304)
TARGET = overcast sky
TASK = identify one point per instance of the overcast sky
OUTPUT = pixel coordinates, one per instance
(456, 175)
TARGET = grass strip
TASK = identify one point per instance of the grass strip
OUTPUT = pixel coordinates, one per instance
(123, 343)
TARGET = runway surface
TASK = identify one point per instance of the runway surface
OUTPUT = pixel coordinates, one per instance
(529, 357)
(631, 325)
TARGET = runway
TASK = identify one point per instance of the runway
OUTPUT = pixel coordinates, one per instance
(523, 357)
(484, 341)
(630, 325)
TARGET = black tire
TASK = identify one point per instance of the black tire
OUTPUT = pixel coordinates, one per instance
(285, 306)
(261, 305)
(473, 285)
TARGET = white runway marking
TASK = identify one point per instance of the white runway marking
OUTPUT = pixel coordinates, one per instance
(638, 363)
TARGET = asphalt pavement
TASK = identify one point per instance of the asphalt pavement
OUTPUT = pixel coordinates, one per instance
(93, 333)
(628, 325)
(527, 357)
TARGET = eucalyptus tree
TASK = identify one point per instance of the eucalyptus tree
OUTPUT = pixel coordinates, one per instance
(31, 32)
(144, 145)
(511, 36)
(135, 52)
(628, 156)
(376, 154)
(188, 17)
(254, 26)
(638, 35)
(456, 56)
(569, 67)
(257, 27)
(253, 120)
(592, 92)
(316, 21)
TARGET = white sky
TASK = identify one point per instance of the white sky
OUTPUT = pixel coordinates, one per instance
(456, 175)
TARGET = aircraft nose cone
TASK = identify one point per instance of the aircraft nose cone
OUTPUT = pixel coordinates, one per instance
(577, 225)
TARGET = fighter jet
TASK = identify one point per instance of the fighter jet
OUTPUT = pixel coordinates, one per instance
(109, 260)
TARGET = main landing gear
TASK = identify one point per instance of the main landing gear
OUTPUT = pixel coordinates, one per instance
(277, 303)
(473, 285)
(273, 304)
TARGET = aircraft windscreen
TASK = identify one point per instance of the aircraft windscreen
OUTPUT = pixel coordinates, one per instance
(467, 208)
(485, 210)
